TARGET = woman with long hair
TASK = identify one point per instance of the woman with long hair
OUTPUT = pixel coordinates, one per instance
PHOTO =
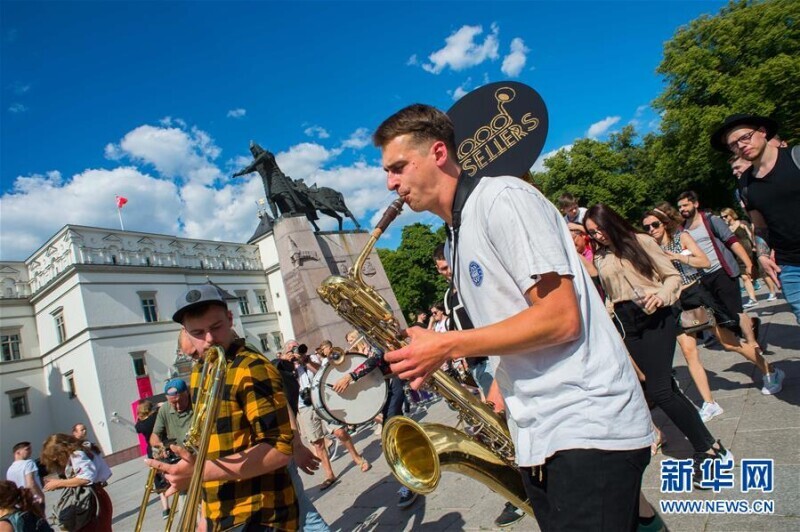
(641, 283)
(688, 259)
(19, 512)
(66, 454)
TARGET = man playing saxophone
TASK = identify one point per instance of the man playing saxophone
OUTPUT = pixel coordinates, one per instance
(576, 412)
(246, 483)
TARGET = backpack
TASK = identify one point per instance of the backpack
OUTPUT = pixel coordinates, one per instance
(27, 522)
(743, 190)
(76, 508)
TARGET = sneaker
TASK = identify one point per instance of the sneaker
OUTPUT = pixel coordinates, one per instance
(750, 303)
(773, 382)
(655, 525)
(772, 297)
(510, 515)
(407, 498)
(722, 455)
(709, 411)
(165, 514)
(757, 284)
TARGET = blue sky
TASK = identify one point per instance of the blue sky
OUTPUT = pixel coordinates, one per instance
(158, 101)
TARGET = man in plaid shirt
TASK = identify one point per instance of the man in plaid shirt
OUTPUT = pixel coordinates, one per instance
(247, 485)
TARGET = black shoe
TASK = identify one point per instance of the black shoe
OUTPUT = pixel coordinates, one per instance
(510, 515)
(722, 454)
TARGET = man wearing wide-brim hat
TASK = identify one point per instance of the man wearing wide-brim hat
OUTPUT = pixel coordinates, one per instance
(770, 191)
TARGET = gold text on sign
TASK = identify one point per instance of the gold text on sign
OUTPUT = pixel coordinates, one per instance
(495, 138)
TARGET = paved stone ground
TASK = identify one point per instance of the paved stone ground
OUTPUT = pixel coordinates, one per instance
(753, 426)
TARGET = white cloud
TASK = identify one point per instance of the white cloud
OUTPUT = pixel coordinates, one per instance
(17, 108)
(514, 62)
(182, 195)
(358, 140)
(20, 88)
(601, 127)
(237, 113)
(174, 152)
(538, 166)
(639, 110)
(461, 51)
(317, 131)
(461, 90)
(86, 199)
(412, 61)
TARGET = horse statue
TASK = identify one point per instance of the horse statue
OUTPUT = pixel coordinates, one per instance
(278, 187)
(327, 201)
(293, 196)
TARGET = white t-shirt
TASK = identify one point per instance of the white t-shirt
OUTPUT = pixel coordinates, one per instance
(19, 469)
(306, 378)
(93, 469)
(579, 395)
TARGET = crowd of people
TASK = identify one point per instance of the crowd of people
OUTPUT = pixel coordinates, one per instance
(66, 461)
(564, 319)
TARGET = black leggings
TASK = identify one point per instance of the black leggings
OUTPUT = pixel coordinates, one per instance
(650, 340)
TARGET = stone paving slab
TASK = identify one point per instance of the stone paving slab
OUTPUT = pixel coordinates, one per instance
(753, 426)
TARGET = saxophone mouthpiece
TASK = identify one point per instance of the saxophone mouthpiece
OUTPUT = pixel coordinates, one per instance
(388, 217)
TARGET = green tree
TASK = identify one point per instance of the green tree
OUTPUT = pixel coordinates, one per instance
(410, 268)
(600, 171)
(746, 59)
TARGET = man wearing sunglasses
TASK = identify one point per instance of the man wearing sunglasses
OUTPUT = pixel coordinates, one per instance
(770, 191)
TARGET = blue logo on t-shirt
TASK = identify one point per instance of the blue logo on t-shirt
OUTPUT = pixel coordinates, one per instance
(475, 273)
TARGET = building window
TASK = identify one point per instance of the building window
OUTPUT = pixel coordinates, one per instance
(264, 342)
(262, 303)
(147, 261)
(69, 379)
(139, 364)
(277, 341)
(113, 259)
(149, 307)
(61, 328)
(19, 402)
(10, 347)
(244, 305)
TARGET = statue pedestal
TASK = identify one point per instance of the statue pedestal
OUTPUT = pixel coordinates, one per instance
(306, 259)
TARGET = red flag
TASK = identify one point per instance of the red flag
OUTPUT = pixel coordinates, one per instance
(121, 201)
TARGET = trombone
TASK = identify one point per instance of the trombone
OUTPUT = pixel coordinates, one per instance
(207, 401)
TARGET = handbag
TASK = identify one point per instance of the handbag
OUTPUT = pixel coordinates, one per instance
(77, 507)
(696, 319)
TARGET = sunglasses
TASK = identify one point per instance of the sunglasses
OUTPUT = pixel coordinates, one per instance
(593, 232)
(654, 225)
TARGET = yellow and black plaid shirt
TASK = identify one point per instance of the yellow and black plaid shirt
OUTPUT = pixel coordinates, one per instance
(252, 410)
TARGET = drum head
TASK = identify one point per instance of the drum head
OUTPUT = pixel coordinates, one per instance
(363, 399)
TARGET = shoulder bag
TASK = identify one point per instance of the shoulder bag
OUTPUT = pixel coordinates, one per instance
(77, 507)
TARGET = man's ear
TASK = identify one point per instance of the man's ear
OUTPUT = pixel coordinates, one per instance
(439, 150)
(230, 316)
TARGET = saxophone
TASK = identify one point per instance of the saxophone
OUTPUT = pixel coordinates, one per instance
(418, 453)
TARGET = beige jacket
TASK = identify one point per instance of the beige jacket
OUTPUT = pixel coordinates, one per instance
(619, 277)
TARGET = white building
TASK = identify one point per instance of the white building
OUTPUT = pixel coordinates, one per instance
(86, 329)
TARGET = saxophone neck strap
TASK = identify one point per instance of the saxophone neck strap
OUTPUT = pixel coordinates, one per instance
(464, 188)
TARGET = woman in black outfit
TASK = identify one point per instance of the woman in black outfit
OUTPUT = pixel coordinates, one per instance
(145, 421)
(641, 282)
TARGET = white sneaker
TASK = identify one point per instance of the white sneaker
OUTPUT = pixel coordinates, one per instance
(710, 411)
(750, 304)
(773, 382)
(772, 297)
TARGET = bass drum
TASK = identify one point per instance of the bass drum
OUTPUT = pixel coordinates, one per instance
(360, 402)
